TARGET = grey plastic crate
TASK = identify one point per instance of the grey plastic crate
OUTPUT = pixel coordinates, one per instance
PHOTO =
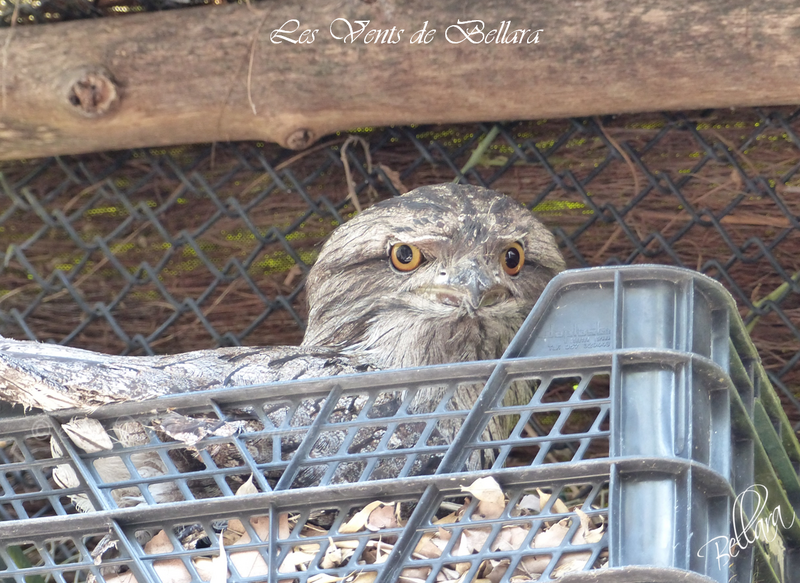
(651, 413)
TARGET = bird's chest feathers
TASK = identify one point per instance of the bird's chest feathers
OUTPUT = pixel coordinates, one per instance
(418, 340)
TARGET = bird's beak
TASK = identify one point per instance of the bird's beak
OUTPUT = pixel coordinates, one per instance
(470, 286)
(479, 289)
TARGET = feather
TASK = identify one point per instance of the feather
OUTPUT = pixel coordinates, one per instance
(459, 304)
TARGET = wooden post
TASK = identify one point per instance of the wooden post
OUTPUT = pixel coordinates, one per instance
(228, 73)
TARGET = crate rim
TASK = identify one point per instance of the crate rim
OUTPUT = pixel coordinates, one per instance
(285, 500)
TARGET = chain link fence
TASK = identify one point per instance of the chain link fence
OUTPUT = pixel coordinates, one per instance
(168, 250)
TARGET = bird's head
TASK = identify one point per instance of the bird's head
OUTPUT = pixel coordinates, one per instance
(442, 274)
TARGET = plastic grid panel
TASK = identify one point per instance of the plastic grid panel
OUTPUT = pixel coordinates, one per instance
(684, 466)
(535, 532)
(317, 435)
(27, 488)
(64, 558)
(512, 550)
(566, 420)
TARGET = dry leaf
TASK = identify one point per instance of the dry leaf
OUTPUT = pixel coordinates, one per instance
(486, 490)
(325, 578)
(412, 575)
(426, 548)
(440, 543)
(204, 567)
(558, 506)
(594, 535)
(160, 543)
(446, 575)
(283, 526)
(510, 538)
(472, 541)
(333, 556)
(172, 570)
(247, 488)
(530, 502)
(383, 551)
(65, 476)
(461, 547)
(569, 563)
(492, 501)
(488, 510)
(359, 521)
(496, 570)
(382, 517)
(552, 536)
(449, 519)
(219, 566)
(533, 565)
(307, 548)
(88, 434)
(123, 578)
(585, 532)
(348, 544)
(294, 560)
(250, 563)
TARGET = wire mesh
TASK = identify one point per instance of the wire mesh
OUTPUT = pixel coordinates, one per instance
(168, 250)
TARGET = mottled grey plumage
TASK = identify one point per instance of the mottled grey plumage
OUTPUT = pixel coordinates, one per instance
(51, 377)
(458, 305)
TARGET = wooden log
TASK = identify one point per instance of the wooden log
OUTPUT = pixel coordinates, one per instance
(183, 76)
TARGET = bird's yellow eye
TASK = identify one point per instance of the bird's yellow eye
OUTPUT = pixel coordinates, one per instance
(405, 257)
(512, 259)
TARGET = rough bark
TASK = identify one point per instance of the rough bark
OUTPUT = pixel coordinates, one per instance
(182, 76)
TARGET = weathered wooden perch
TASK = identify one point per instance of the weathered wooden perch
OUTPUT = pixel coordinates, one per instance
(183, 76)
